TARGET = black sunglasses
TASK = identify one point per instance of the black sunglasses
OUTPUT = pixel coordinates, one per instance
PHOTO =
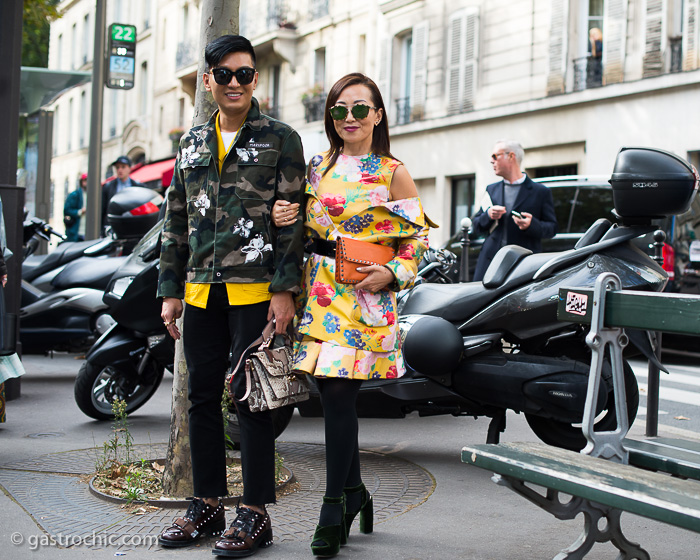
(340, 112)
(244, 76)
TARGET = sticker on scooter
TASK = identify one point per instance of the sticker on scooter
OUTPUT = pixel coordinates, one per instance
(576, 304)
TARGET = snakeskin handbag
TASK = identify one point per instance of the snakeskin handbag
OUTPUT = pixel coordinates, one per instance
(270, 382)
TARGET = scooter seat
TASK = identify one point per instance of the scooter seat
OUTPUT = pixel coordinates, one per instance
(88, 272)
(453, 302)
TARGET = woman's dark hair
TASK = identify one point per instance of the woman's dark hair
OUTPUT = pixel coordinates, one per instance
(380, 136)
(226, 44)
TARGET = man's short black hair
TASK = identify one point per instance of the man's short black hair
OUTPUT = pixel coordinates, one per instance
(226, 44)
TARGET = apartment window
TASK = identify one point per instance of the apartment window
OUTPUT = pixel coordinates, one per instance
(462, 201)
(73, 45)
(185, 20)
(403, 101)
(181, 113)
(83, 117)
(412, 77)
(144, 89)
(56, 128)
(86, 38)
(69, 128)
(59, 60)
(146, 5)
(462, 51)
(314, 99)
(113, 115)
(273, 102)
(320, 67)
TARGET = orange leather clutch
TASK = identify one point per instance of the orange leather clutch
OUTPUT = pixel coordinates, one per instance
(352, 253)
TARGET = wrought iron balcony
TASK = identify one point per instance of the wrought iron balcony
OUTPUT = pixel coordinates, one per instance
(186, 55)
(403, 110)
(676, 46)
(588, 72)
(314, 106)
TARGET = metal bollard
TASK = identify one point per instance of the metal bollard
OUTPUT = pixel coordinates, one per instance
(466, 224)
(652, 423)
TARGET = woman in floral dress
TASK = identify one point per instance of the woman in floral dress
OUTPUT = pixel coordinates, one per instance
(349, 333)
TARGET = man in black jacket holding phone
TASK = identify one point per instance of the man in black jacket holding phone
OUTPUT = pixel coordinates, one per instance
(514, 211)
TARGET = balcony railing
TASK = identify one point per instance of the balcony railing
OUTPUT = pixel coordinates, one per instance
(186, 55)
(314, 106)
(318, 9)
(403, 110)
(588, 72)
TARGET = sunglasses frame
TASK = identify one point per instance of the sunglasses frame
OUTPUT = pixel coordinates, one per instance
(243, 70)
(359, 106)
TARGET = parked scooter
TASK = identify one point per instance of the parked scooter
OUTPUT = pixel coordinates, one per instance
(127, 362)
(62, 307)
(481, 348)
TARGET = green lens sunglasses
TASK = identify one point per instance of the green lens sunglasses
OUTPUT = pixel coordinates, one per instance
(340, 112)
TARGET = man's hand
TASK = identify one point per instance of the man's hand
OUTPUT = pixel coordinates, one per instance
(171, 312)
(495, 212)
(282, 309)
(524, 222)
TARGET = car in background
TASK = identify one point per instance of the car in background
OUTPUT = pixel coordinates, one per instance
(579, 200)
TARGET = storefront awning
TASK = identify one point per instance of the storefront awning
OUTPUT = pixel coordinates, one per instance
(41, 86)
(160, 170)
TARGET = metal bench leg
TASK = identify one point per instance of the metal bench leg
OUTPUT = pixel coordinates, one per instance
(593, 529)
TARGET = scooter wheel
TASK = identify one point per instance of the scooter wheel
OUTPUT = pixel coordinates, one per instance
(97, 387)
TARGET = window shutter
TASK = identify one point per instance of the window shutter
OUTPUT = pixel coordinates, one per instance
(654, 34)
(384, 72)
(462, 56)
(419, 69)
(558, 51)
(614, 40)
(471, 45)
(455, 56)
(691, 34)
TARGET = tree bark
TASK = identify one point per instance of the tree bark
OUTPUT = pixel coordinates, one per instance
(219, 17)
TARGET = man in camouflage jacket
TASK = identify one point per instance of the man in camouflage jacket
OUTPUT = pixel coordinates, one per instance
(235, 271)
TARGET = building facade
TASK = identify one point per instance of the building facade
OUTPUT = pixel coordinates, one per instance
(455, 75)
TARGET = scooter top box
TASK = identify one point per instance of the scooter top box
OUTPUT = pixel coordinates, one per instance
(651, 183)
(133, 212)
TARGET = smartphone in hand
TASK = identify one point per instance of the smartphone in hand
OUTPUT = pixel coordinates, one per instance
(516, 214)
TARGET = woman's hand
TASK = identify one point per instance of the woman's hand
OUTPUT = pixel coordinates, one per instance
(171, 312)
(378, 278)
(284, 213)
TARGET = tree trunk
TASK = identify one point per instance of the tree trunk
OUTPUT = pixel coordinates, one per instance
(219, 17)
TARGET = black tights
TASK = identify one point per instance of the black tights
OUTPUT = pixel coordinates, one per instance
(338, 397)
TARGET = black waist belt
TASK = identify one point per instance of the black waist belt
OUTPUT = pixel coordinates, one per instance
(321, 247)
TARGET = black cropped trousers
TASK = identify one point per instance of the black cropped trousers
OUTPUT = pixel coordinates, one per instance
(209, 335)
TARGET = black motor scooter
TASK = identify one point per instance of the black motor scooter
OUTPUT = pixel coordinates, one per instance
(61, 306)
(481, 348)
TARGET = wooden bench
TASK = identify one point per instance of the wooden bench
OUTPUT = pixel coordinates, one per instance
(612, 474)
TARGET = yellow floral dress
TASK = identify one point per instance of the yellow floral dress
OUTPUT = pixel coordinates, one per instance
(346, 332)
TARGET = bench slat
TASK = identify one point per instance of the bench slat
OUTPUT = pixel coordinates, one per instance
(668, 455)
(673, 313)
(653, 495)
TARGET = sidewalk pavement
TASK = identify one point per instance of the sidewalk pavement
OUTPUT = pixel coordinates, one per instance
(428, 504)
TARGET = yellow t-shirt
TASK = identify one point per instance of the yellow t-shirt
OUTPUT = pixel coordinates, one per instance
(238, 294)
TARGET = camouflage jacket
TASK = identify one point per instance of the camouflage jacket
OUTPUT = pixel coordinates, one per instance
(218, 228)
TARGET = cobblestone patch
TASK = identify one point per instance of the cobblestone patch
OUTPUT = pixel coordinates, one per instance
(60, 502)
